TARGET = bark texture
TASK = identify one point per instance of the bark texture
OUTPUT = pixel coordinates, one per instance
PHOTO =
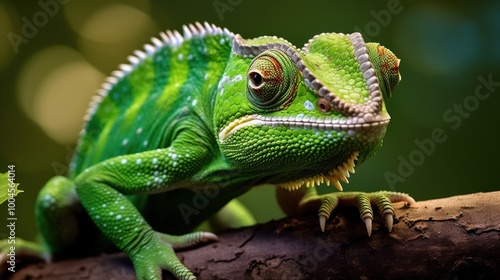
(449, 238)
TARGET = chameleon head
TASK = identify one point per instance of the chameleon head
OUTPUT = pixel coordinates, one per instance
(304, 116)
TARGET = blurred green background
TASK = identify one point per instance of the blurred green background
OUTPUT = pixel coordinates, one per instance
(53, 57)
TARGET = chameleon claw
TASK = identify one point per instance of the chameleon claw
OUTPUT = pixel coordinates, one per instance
(207, 237)
(368, 224)
(322, 222)
(389, 220)
(410, 200)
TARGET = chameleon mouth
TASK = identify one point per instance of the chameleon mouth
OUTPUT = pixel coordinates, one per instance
(339, 173)
(301, 121)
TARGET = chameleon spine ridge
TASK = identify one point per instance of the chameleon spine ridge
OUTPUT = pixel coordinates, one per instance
(167, 38)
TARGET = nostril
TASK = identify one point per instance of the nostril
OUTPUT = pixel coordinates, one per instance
(324, 105)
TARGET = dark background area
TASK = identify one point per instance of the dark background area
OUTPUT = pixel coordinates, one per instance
(442, 140)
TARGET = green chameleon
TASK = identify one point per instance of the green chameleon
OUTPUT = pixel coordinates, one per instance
(210, 113)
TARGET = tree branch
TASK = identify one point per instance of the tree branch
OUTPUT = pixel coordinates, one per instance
(449, 238)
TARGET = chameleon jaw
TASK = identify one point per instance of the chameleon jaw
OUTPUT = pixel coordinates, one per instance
(367, 121)
(341, 172)
(238, 124)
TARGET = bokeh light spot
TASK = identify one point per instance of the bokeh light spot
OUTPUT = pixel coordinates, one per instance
(115, 23)
(55, 88)
(112, 32)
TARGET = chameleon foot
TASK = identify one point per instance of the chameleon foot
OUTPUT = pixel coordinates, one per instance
(363, 201)
(158, 253)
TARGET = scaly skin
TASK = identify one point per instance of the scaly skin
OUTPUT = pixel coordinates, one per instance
(196, 120)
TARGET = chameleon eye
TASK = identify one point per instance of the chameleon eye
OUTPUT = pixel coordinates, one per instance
(255, 79)
(271, 76)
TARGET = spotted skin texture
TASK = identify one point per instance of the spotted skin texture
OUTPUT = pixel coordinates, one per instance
(195, 120)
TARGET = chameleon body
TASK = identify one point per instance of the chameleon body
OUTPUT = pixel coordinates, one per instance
(211, 113)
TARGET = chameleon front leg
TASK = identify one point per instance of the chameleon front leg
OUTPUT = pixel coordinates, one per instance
(102, 189)
(307, 200)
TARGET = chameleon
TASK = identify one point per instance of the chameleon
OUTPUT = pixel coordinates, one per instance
(209, 113)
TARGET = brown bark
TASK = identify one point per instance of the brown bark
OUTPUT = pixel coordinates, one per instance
(450, 238)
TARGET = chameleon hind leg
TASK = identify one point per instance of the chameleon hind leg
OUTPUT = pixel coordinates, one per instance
(307, 200)
(55, 210)
(65, 228)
